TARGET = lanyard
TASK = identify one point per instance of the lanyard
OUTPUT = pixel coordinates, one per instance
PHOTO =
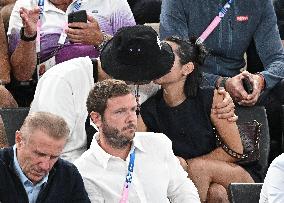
(128, 178)
(63, 35)
(41, 7)
(76, 7)
(214, 23)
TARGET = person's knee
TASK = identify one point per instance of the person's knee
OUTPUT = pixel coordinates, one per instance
(217, 193)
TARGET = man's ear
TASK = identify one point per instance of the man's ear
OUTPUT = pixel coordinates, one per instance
(18, 138)
(96, 118)
(187, 68)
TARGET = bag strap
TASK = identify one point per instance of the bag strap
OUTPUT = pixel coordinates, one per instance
(233, 153)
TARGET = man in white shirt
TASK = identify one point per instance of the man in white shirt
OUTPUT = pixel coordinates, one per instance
(63, 90)
(122, 165)
(37, 45)
(104, 17)
(273, 186)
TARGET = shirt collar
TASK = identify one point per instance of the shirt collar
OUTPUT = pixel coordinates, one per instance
(49, 6)
(103, 157)
(20, 173)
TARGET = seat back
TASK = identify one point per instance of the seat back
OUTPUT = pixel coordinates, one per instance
(282, 118)
(244, 192)
(258, 113)
(13, 119)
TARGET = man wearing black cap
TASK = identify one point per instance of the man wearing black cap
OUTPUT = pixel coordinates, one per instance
(134, 54)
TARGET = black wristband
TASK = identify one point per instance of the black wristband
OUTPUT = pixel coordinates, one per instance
(25, 38)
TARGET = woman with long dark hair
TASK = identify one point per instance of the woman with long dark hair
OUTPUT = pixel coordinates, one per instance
(186, 114)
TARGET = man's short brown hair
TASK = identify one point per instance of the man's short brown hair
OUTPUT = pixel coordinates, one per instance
(102, 91)
(53, 125)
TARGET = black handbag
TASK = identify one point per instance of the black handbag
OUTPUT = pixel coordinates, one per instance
(249, 133)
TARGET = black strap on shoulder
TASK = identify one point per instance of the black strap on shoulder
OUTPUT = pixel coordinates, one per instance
(95, 69)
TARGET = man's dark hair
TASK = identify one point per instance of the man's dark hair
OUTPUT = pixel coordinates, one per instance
(102, 91)
(189, 51)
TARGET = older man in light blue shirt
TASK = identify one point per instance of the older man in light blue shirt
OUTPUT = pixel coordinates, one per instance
(31, 189)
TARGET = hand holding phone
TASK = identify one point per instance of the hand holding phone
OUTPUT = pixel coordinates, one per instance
(247, 85)
(77, 16)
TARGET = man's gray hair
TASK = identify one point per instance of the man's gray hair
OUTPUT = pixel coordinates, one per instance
(53, 125)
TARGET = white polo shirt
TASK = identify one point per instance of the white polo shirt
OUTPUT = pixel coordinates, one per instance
(63, 90)
(110, 14)
(273, 186)
(157, 175)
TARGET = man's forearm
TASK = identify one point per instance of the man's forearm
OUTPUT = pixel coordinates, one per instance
(23, 60)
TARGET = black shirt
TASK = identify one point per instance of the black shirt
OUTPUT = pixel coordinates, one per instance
(188, 125)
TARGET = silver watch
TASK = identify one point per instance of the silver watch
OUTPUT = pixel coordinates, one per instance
(103, 43)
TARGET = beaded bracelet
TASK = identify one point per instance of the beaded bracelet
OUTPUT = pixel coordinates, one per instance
(227, 149)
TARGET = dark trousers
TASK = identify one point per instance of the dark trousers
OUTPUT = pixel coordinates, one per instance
(23, 92)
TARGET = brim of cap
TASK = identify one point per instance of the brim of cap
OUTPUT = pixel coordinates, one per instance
(140, 72)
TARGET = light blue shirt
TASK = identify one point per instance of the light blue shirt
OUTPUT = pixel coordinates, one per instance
(31, 189)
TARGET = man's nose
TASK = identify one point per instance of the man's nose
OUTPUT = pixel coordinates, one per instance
(132, 116)
(45, 164)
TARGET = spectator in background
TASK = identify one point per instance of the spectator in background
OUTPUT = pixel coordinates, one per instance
(104, 19)
(31, 170)
(186, 114)
(244, 23)
(63, 90)
(154, 173)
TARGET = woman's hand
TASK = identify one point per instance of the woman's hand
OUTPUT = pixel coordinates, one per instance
(223, 106)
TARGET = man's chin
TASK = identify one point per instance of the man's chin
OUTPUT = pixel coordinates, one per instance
(130, 132)
(35, 178)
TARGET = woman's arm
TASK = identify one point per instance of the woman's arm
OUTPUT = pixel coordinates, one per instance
(229, 133)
